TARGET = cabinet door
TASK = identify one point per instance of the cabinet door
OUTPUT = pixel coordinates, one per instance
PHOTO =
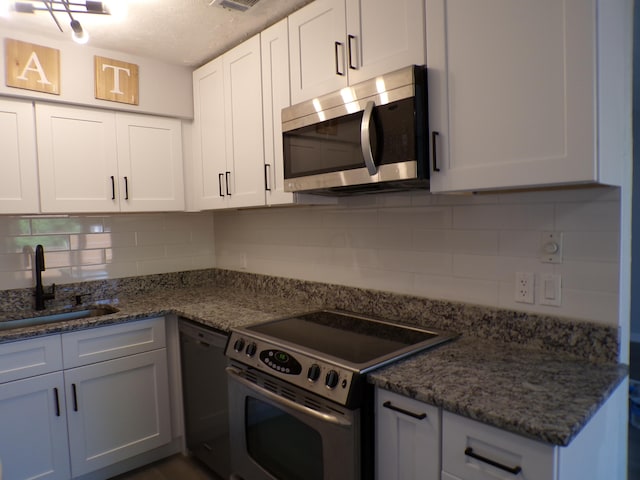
(18, 169)
(244, 135)
(209, 150)
(149, 163)
(407, 438)
(33, 443)
(77, 159)
(117, 409)
(318, 54)
(383, 36)
(511, 92)
(276, 96)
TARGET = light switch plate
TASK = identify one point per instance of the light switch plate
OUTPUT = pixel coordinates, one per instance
(551, 247)
(550, 289)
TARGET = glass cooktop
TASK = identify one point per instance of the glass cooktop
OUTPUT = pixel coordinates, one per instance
(348, 337)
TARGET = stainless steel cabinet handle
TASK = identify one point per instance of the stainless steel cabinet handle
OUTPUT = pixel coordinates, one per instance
(391, 406)
(235, 373)
(365, 138)
(512, 470)
(337, 45)
(350, 39)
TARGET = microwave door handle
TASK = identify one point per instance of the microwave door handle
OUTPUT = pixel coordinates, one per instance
(365, 138)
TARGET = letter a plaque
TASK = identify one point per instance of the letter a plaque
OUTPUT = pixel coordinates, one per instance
(32, 67)
(116, 81)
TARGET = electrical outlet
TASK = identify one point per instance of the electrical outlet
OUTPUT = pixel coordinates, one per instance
(525, 284)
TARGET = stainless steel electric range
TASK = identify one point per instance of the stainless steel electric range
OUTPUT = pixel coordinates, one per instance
(299, 404)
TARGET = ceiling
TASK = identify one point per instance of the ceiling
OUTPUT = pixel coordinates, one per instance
(180, 32)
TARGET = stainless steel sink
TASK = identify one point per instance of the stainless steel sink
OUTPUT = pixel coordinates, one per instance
(58, 317)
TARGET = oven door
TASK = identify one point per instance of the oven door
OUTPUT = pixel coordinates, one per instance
(278, 438)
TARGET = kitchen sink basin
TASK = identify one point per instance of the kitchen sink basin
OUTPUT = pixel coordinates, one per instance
(58, 317)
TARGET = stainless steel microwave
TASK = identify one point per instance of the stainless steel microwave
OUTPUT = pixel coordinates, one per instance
(368, 137)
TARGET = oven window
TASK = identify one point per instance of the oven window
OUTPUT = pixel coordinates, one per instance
(281, 444)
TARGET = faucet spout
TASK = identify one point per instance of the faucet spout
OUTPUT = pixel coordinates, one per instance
(40, 295)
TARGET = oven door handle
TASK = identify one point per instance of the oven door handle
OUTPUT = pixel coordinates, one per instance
(365, 138)
(235, 373)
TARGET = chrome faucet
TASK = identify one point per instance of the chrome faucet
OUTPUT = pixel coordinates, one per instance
(40, 295)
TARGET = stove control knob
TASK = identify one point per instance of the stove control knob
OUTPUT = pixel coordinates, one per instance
(331, 379)
(239, 345)
(251, 349)
(313, 373)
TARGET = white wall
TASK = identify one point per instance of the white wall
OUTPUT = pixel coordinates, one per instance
(163, 89)
(98, 247)
(464, 248)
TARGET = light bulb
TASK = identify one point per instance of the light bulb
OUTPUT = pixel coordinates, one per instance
(78, 34)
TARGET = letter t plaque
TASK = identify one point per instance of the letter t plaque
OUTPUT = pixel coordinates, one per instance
(116, 81)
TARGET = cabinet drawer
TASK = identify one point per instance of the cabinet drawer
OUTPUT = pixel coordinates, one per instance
(105, 343)
(26, 358)
(469, 448)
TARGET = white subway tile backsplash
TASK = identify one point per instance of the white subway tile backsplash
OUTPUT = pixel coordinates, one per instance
(457, 247)
(97, 247)
(504, 217)
(588, 217)
(589, 246)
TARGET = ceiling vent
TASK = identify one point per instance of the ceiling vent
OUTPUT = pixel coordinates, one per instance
(241, 5)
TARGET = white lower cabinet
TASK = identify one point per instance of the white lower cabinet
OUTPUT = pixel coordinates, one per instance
(117, 409)
(33, 432)
(419, 441)
(407, 438)
(112, 405)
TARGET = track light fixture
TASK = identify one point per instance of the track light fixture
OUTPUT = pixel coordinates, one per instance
(79, 34)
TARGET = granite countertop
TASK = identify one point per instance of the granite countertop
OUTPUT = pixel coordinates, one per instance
(548, 396)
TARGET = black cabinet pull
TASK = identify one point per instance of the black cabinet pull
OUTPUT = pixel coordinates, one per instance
(434, 136)
(226, 181)
(390, 406)
(57, 399)
(512, 470)
(350, 39)
(75, 397)
(113, 188)
(266, 177)
(126, 188)
(336, 46)
(220, 175)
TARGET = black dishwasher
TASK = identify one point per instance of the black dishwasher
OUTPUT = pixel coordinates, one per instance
(204, 387)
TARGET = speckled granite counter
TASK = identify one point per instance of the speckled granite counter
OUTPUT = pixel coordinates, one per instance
(548, 397)
(541, 377)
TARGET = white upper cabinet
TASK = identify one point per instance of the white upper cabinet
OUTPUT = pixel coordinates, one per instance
(100, 161)
(527, 94)
(78, 160)
(317, 48)
(209, 151)
(334, 43)
(228, 131)
(383, 36)
(243, 114)
(275, 96)
(150, 163)
(18, 169)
